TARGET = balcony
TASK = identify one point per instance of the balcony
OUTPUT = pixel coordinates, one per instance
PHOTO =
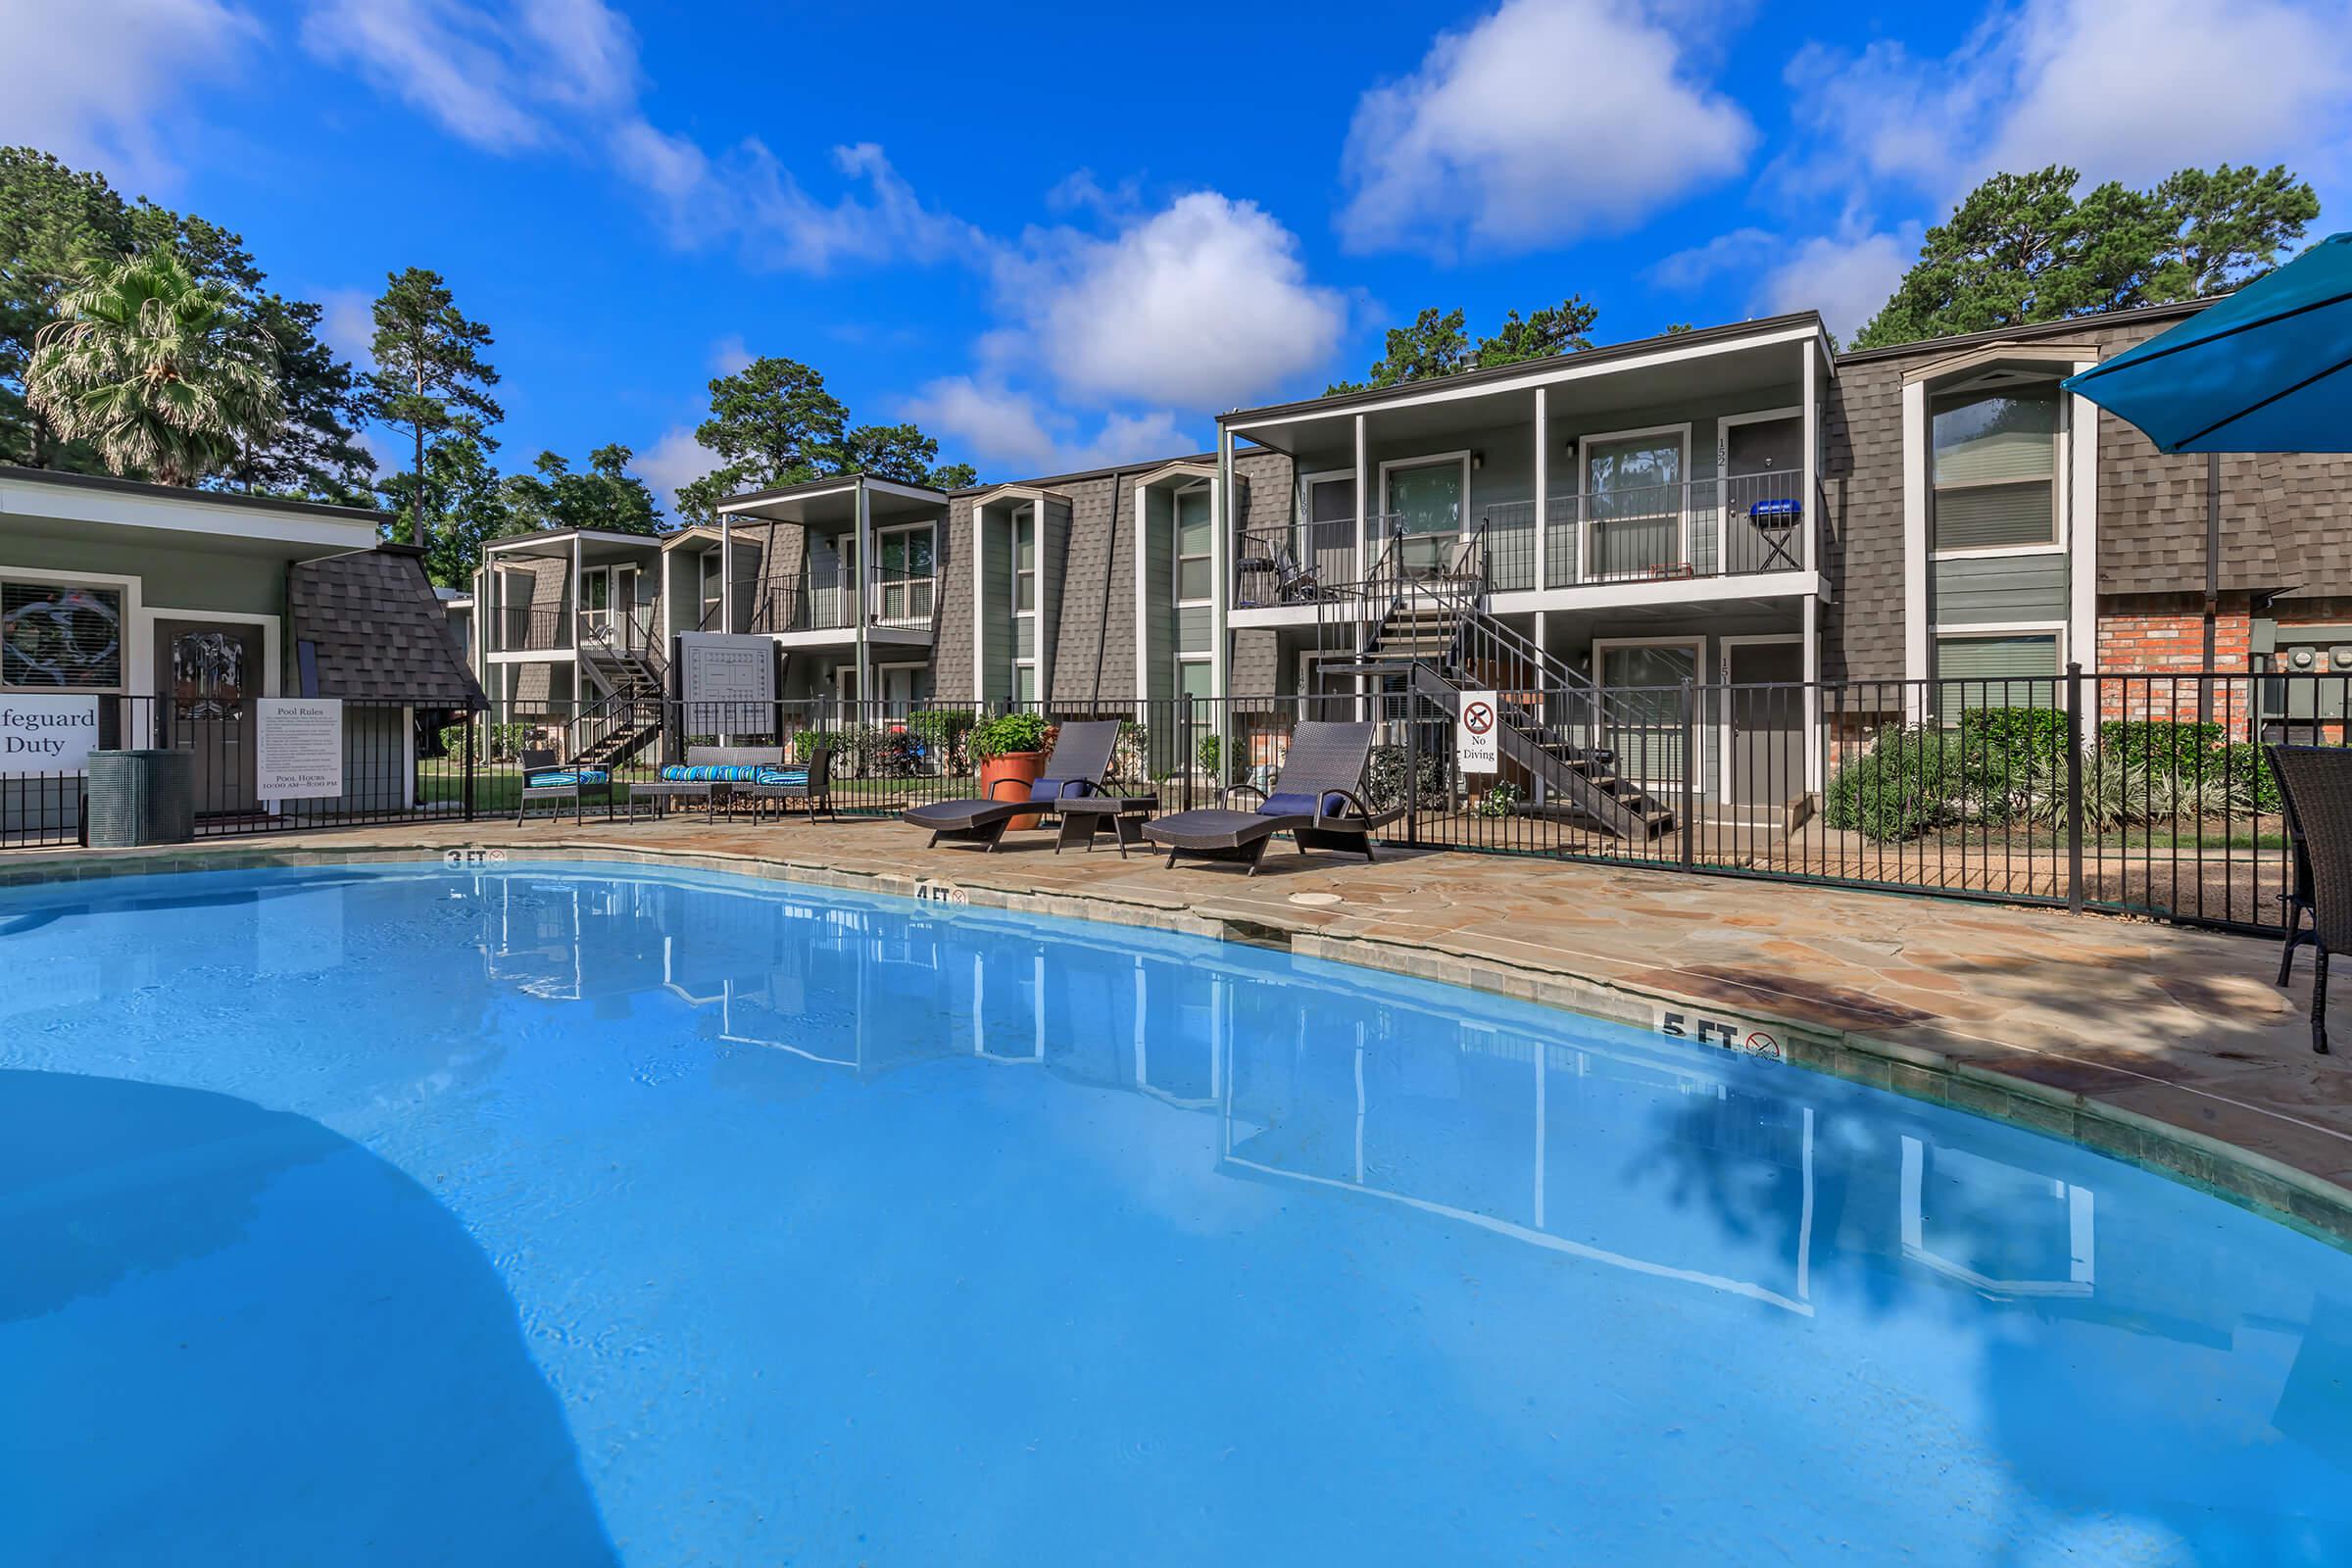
(816, 602)
(546, 628)
(1738, 525)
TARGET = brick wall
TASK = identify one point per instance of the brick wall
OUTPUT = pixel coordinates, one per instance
(2167, 646)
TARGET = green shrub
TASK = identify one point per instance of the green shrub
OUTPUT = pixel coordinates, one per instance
(2006, 758)
(1385, 779)
(1499, 799)
(1912, 780)
(1008, 734)
(1210, 752)
(498, 743)
(2161, 743)
(945, 733)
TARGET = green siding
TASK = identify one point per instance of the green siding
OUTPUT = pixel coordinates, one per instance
(174, 578)
(1996, 590)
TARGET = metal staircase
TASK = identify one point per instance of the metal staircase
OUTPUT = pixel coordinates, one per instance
(612, 729)
(1432, 627)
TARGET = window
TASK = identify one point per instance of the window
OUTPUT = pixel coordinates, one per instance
(711, 589)
(1024, 561)
(1427, 498)
(1191, 547)
(60, 637)
(907, 562)
(2012, 670)
(1995, 468)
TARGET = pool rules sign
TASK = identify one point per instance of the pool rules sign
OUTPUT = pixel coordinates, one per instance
(1476, 745)
(297, 748)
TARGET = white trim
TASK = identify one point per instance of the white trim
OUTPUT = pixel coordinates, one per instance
(1813, 746)
(1589, 536)
(1999, 629)
(1430, 460)
(1175, 477)
(979, 519)
(138, 653)
(2080, 428)
(1659, 591)
(186, 511)
(519, 543)
(1724, 644)
(1916, 562)
(1543, 492)
(1667, 354)
(273, 632)
(1998, 551)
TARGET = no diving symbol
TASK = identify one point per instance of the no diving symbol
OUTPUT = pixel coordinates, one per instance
(1479, 718)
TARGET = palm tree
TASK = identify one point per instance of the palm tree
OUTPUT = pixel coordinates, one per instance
(166, 376)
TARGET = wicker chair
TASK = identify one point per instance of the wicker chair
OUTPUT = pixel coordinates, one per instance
(2316, 783)
(1316, 799)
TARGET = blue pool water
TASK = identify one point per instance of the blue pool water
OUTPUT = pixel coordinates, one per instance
(563, 1216)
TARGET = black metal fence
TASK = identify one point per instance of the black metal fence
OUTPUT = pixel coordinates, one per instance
(401, 762)
(2147, 794)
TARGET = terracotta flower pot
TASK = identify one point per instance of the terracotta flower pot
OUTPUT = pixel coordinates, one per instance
(1026, 767)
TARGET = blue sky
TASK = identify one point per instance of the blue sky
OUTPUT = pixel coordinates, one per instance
(1060, 237)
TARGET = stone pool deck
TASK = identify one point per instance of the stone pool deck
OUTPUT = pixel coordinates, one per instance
(2167, 1047)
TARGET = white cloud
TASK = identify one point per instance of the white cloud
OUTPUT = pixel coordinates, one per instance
(347, 323)
(1010, 430)
(1547, 120)
(1742, 250)
(2119, 89)
(1845, 277)
(453, 62)
(728, 355)
(675, 458)
(1202, 303)
(98, 83)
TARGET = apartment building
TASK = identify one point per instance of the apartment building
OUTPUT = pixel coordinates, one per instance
(1738, 505)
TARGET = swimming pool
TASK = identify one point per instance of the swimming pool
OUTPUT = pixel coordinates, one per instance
(589, 1214)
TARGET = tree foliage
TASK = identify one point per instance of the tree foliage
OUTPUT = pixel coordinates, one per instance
(774, 423)
(1439, 343)
(606, 497)
(58, 223)
(430, 377)
(163, 376)
(2026, 248)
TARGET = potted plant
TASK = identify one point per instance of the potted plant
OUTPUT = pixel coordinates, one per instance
(1010, 746)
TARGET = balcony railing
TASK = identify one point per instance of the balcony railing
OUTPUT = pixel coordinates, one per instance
(546, 628)
(825, 602)
(1299, 565)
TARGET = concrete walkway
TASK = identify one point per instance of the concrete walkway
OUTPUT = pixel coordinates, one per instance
(2163, 1046)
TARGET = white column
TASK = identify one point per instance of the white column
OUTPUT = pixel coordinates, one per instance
(727, 574)
(577, 604)
(1363, 507)
(1220, 568)
(1813, 698)
(1809, 499)
(1916, 562)
(867, 583)
(1542, 493)
(2082, 532)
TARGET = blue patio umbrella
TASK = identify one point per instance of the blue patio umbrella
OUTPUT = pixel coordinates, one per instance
(2267, 369)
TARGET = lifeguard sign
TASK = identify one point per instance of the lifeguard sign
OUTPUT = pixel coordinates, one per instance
(1477, 747)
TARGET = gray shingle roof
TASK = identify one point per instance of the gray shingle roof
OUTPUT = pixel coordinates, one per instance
(375, 631)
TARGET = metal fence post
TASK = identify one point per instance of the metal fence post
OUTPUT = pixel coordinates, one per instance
(472, 721)
(2074, 787)
(1185, 745)
(1689, 770)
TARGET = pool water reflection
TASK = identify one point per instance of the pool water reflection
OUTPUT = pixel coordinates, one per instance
(405, 1215)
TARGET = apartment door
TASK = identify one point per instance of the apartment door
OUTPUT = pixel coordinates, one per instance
(1762, 469)
(632, 625)
(1634, 494)
(1426, 504)
(206, 675)
(1642, 706)
(596, 605)
(1764, 751)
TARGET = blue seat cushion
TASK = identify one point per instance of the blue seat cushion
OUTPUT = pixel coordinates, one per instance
(1054, 789)
(556, 778)
(788, 778)
(678, 773)
(1297, 803)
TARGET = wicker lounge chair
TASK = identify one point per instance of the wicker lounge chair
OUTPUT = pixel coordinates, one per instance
(809, 786)
(1080, 758)
(1316, 799)
(707, 777)
(2316, 783)
(547, 781)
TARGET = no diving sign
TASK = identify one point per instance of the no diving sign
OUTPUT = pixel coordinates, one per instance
(1476, 745)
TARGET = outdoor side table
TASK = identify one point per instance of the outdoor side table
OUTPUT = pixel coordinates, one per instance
(1084, 817)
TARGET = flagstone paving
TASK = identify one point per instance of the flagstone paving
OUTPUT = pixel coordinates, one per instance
(2165, 1046)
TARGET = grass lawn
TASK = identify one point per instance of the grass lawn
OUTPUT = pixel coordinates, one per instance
(497, 791)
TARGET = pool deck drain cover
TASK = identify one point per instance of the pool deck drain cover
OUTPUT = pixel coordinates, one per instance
(1315, 900)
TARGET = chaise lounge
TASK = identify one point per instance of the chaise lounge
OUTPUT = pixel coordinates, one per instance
(1317, 799)
(2315, 784)
(1076, 766)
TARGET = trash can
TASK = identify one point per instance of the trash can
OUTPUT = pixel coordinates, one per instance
(140, 797)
